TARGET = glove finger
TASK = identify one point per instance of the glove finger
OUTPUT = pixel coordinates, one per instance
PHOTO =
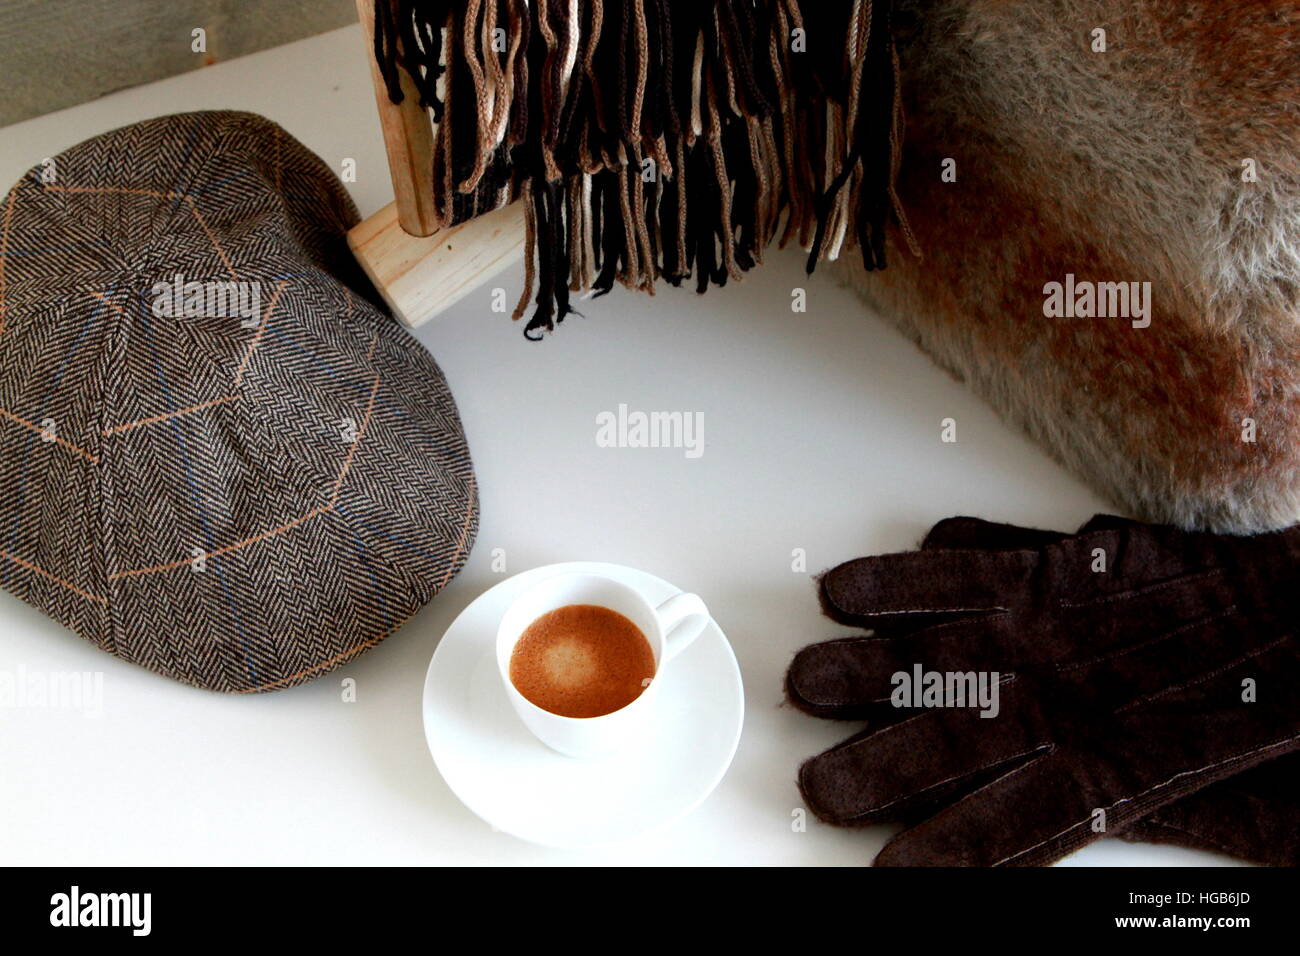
(1160, 654)
(896, 589)
(857, 677)
(1125, 639)
(1038, 813)
(1032, 815)
(1107, 523)
(965, 533)
(1137, 554)
(887, 773)
(1207, 687)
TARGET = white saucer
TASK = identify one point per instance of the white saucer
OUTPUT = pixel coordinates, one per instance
(519, 785)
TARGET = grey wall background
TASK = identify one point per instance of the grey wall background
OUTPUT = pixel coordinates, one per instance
(57, 53)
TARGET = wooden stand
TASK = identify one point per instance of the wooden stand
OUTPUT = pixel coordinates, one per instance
(419, 276)
(419, 265)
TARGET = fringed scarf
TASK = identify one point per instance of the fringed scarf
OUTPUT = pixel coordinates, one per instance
(656, 138)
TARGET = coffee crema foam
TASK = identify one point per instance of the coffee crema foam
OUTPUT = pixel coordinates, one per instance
(582, 660)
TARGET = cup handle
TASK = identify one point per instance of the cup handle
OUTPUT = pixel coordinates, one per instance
(681, 620)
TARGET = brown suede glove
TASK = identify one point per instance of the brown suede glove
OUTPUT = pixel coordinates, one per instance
(1121, 654)
(1254, 816)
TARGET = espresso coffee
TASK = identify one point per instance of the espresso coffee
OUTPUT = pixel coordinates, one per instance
(582, 660)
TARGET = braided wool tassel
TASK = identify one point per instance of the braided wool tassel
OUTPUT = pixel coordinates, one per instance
(656, 139)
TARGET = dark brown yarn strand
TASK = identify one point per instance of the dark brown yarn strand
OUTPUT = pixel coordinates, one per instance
(656, 139)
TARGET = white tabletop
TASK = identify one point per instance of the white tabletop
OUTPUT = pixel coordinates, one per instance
(821, 433)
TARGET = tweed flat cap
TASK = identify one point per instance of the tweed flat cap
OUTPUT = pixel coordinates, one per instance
(219, 458)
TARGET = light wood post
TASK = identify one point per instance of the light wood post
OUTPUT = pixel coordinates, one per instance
(419, 266)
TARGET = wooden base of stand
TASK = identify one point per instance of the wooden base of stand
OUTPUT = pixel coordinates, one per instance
(420, 276)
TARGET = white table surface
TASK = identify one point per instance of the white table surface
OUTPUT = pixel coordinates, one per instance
(822, 432)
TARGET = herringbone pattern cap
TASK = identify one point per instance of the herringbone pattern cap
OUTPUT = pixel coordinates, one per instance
(219, 459)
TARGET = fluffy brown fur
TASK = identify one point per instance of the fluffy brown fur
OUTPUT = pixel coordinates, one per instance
(1124, 165)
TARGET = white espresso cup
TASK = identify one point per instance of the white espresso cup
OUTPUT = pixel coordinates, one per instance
(669, 628)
